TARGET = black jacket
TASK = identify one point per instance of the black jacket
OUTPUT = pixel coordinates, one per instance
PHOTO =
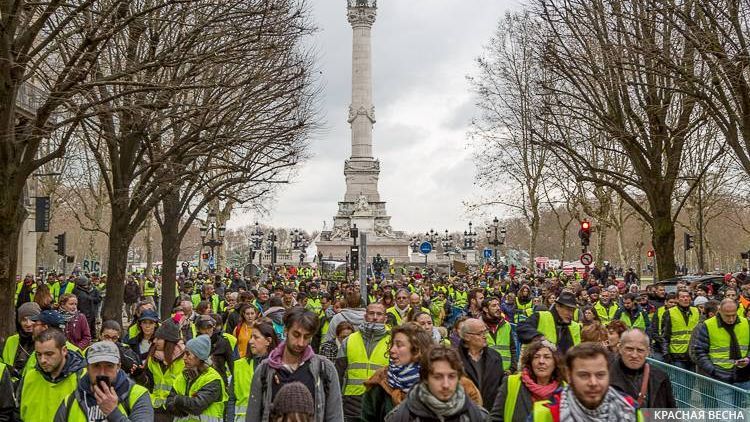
(527, 331)
(699, 346)
(666, 336)
(492, 374)
(627, 381)
(88, 301)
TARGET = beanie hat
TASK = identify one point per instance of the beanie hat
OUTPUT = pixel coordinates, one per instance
(700, 300)
(293, 398)
(200, 347)
(169, 331)
(28, 309)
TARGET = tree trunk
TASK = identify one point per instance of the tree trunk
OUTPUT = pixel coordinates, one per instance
(620, 233)
(534, 226)
(13, 214)
(120, 238)
(149, 243)
(663, 241)
(170, 250)
(601, 243)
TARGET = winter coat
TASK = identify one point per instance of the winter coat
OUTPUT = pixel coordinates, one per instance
(88, 301)
(327, 392)
(699, 346)
(380, 398)
(413, 410)
(492, 373)
(132, 292)
(627, 381)
(195, 404)
(78, 332)
(523, 407)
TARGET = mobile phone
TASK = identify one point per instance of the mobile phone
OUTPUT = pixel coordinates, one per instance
(103, 379)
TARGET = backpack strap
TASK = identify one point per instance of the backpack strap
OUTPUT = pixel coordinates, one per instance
(644, 386)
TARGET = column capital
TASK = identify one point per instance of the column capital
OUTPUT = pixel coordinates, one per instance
(362, 12)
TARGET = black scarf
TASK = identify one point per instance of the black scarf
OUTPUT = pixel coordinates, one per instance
(734, 345)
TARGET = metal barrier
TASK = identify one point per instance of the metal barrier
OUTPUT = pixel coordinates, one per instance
(692, 390)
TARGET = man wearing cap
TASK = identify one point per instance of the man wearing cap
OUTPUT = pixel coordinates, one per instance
(43, 321)
(45, 385)
(198, 390)
(556, 325)
(18, 348)
(106, 393)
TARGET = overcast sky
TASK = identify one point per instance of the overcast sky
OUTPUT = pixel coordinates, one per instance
(422, 52)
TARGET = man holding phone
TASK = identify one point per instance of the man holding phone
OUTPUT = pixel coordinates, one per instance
(721, 345)
(106, 393)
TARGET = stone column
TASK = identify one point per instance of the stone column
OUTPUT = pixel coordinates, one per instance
(361, 15)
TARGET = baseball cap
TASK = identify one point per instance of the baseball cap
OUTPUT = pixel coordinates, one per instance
(51, 318)
(103, 351)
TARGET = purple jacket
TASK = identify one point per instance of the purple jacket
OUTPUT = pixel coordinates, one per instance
(77, 331)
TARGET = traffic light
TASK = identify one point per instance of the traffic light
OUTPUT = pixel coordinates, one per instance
(650, 253)
(585, 233)
(354, 257)
(205, 256)
(689, 242)
(60, 244)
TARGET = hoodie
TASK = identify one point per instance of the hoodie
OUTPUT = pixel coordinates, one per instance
(355, 316)
(74, 363)
(276, 315)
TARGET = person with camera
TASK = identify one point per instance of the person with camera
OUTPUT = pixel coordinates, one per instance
(106, 393)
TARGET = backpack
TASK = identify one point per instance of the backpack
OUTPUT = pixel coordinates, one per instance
(131, 292)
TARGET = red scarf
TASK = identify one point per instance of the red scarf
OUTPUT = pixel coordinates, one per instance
(538, 392)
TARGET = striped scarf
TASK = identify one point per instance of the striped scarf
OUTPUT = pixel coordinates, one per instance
(403, 377)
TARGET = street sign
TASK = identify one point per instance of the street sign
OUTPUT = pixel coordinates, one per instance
(89, 265)
(425, 247)
(211, 262)
(487, 253)
(587, 258)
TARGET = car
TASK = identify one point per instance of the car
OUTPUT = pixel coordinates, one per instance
(711, 283)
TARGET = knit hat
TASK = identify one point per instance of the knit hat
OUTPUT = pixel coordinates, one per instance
(28, 309)
(200, 347)
(293, 398)
(169, 331)
(700, 300)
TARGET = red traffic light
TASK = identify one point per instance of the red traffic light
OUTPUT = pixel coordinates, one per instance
(585, 225)
(650, 253)
(205, 256)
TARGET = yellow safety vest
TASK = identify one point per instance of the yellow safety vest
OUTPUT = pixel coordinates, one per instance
(460, 298)
(500, 343)
(163, 381)
(514, 387)
(19, 286)
(244, 369)
(659, 316)
(523, 311)
(196, 299)
(720, 340)
(10, 348)
(393, 311)
(606, 315)
(640, 322)
(149, 289)
(41, 398)
(75, 413)
(548, 328)
(681, 331)
(360, 366)
(215, 412)
(314, 305)
(56, 292)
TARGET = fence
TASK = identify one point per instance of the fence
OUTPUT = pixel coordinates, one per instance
(692, 390)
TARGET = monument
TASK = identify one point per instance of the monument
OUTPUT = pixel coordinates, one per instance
(362, 205)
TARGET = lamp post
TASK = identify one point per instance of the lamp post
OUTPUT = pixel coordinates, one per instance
(432, 237)
(354, 252)
(272, 248)
(470, 238)
(212, 236)
(414, 244)
(299, 243)
(447, 244)
(495, 236)
(257, 238)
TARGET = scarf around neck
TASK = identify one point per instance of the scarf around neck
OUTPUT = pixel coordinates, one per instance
(403, 377)
(538, 392)
(441, 409)
(613, 408)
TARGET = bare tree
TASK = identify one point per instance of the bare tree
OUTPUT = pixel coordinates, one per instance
(614, 91)
(507, 156)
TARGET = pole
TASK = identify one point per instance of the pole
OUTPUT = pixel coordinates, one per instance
(701, 261)
(363, 266)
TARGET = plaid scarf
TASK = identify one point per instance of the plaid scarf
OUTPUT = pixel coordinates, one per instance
(613, 408)
(403, 377)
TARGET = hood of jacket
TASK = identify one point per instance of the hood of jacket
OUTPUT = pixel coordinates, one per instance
(74, 362)
(277, 354)
(85, 393)
(276, 314)
(354, 316)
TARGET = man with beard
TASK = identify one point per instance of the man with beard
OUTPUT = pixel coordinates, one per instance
(658, 296)
(588, 397)
(361, 354)
(499, 335)
(54, 376)
(524, 304)
(556, 325)
(294, 360)
(630, 314)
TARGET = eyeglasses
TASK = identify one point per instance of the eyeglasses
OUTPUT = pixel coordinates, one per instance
(481, 333)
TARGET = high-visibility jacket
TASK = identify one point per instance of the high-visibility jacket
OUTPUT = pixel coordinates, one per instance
(500, 342)
(360, 366)
(659, 316)
(149, 289)
(75, 413)
(326, 323)
(58, 289)
(606, 315)
(514, 387)
(215, 412)
(10, 348)
(314, 305)
(523, 311)
(460, 298)
(244, 369)
(231, 339)
(163, 379)
(215, 308)
(19, 286)
(640, 321)
(719, 341)
(543, 413)
(393, 311)
(681, 331)
(41, 398)
(548, 328)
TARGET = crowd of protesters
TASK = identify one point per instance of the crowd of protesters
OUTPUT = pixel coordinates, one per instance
(500, 344)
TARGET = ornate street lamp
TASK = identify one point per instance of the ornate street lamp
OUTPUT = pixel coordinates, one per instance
(212, 236)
